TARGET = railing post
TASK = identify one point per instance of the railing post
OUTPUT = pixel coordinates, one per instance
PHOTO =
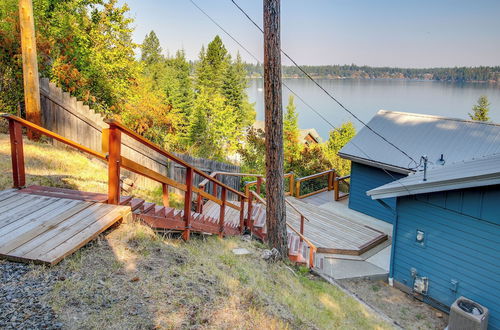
(222, 212)
(311, 257)
(214, 186)
(187, 203)
(165, 195)
(259, 184)
(336, 193)
(330, 180)
(17, 154)
(301, 226)
(199, 201)
(291, 183)
(249, 217)
(114, 158)
(297, 189)
(242, 214)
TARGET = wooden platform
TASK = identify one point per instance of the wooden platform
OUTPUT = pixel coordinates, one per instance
(332, 233)
(45, 229)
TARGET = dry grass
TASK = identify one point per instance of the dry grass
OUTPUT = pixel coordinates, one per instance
(131, 277)
(134, 278)
(51, 166)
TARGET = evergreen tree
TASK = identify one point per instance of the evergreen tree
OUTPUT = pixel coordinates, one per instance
(150, 49)
(481, 109)
(212, 66)
(292, 146)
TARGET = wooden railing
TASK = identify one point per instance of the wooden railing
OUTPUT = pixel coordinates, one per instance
(112, 154)
(337, 194)
(111, 145)
(17, 150)
(330, 174)
(300, 233)
(261, 180)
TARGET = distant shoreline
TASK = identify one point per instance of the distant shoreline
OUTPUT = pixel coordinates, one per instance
(489, 82)
(481, 74)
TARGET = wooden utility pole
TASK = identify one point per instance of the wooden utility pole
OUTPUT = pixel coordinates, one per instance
(275, 190)
(30, 65)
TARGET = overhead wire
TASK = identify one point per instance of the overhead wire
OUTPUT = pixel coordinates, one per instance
(326, 91)
(287, 87)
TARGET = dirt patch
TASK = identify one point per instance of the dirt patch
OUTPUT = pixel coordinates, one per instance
(407, 311)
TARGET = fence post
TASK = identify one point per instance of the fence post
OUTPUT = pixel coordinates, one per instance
(187, 203)
(114, 158)
(214, 187)
(165, 195)
(17, 154)
(292, 183)
(222, 211)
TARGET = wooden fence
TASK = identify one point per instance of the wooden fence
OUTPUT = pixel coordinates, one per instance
(64, 115)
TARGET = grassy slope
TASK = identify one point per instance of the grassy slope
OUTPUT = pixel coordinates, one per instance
(133, 278)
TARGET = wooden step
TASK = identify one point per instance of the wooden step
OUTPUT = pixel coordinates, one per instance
(136, 203)
(146, 207)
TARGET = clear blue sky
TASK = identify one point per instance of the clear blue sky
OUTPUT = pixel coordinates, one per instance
(404, 33)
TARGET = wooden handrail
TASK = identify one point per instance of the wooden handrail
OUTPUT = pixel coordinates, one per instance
(155, 147)
(53, 135)
(330, 184)
(314, 176)
(296, 209)
(336, 188)
(214, 174)
(262, 179)
(312, 247)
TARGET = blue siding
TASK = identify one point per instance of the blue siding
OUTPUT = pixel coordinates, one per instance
(462, 230)
(364, 178)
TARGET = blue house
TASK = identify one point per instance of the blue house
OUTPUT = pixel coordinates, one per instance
(446, 233)
(376, 162)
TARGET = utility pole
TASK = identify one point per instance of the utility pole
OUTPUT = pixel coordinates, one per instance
(275, 191)
(30, 65)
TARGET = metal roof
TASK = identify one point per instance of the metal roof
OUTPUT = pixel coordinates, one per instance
(419, 135)
(484, 171)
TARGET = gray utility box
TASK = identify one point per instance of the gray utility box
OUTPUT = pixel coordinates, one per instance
(466, 314)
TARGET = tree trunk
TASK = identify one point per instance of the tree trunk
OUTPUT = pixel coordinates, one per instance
(275, 191)
(30, 66)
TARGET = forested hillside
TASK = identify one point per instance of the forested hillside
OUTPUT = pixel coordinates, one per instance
(458, 74)
(200, 108)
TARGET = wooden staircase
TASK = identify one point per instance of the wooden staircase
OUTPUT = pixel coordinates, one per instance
(214, 214)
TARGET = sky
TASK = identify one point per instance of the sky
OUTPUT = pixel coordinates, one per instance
(400, 33)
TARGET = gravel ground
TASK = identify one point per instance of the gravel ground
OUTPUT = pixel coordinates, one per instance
(408, 312)
(22, 288)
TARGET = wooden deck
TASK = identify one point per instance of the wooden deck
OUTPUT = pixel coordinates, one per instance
(40, 228)
(329, 232)
(332, 233)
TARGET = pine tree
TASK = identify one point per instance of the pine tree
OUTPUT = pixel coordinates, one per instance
(234, 90)
(481, 109)
(150, 49)
(292, 146)
(212, 66)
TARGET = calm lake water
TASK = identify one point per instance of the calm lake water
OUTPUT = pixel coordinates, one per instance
(366, 97)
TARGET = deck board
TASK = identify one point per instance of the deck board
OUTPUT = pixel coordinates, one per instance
(44, 229)
(329, 232)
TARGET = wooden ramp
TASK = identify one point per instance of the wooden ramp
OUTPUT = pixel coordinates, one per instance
(45, 229)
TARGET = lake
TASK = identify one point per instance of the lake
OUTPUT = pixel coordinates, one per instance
(366, 97)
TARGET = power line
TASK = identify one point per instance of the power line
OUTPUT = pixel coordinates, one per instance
(324, 90)
(293, 92)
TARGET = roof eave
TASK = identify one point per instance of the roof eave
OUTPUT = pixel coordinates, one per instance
(424, 187)
(373, 163)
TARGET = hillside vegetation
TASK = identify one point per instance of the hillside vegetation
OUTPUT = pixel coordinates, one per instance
(132, 277)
